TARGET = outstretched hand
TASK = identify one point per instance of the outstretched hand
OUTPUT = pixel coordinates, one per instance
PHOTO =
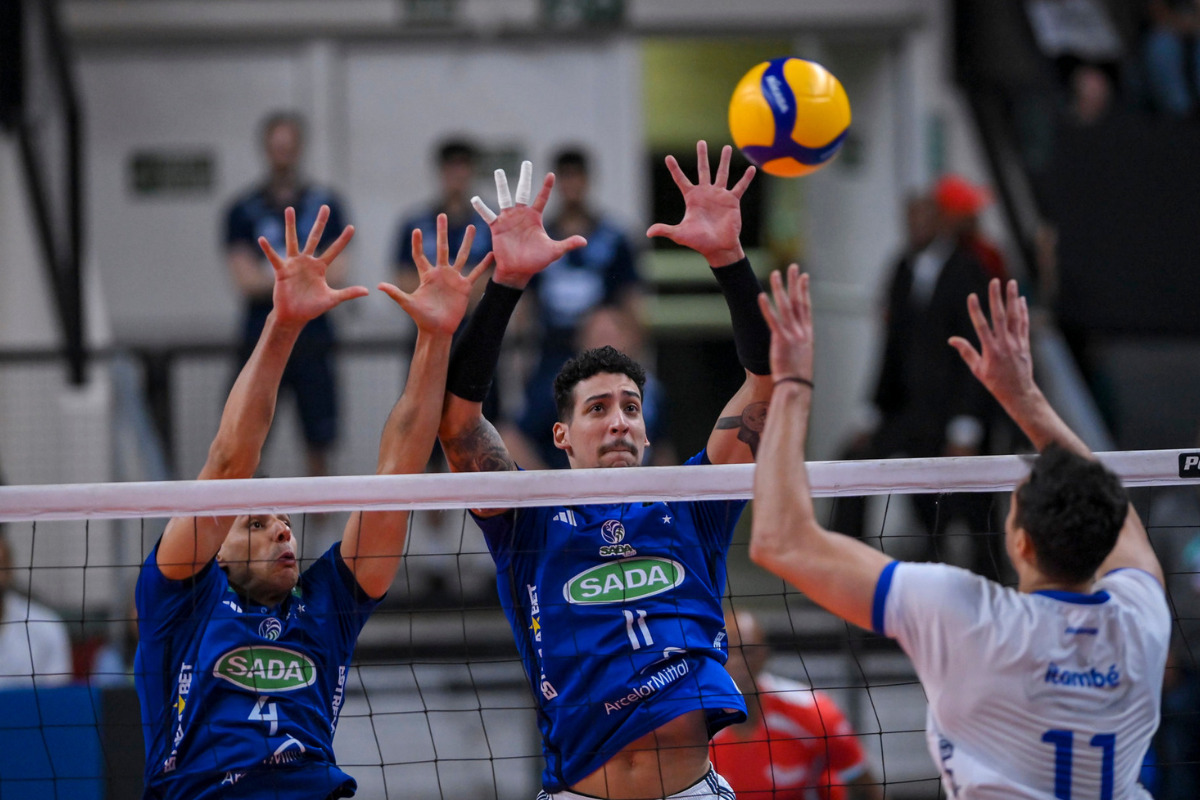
(1003, 362)
(301, 292)
(519, 239)
(439, 303)
(712, 219)
(791, 324)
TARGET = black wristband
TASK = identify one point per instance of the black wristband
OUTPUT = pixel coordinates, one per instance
(477, 351)
(751, 335)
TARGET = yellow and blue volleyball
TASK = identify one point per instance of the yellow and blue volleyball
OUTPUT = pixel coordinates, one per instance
(789, 116)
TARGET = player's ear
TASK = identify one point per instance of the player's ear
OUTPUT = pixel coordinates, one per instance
(562, 436)
(1023, 546)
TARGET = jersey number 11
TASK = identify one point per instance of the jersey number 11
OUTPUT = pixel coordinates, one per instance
(1064, 742)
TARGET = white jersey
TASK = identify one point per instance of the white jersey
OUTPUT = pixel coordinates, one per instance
(1050, 695)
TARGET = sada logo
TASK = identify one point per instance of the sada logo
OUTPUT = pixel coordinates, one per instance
(266, 669)
(612, 530)
(622, 581)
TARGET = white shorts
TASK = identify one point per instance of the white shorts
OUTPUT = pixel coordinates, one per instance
(711, 787)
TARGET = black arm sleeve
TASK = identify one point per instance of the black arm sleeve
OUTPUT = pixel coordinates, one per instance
(751, 335)
(473, 361)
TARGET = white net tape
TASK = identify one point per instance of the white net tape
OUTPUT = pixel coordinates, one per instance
(543, 488)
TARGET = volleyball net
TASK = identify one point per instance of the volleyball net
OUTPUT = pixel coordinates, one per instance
(437, 704)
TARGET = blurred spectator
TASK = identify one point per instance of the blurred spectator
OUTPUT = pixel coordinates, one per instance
(795, 743)
(1172, 59)
(601, 274)
(926, 402)
(960, 201)
(531, 443)
(34, 646)
(259, 212)
(456, 161)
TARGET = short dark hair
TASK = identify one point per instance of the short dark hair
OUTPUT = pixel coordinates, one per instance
(1073, 509)
(571, 158)
(589, 363)
(456, 149)
(277, 118)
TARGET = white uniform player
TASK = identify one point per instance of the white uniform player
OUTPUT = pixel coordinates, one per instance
(1049, 694)
(1050, 691)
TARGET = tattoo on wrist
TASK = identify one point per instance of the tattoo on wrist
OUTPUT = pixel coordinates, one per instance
(749, 424)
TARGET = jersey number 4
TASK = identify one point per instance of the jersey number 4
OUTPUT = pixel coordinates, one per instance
(646, 639)
(1064, 742)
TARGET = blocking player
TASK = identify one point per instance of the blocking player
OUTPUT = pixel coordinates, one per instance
(616, 609)
(1049, 690)
(795, 743)
(243, 659)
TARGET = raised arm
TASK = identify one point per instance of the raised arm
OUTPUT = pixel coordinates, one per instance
(374, 540)
(522, 249)
(1004, 365)
(835, 571)
(712, 226)
(300, 294)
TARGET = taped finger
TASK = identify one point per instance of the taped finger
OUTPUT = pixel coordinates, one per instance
(488, 215)
(503, 196)
(525, 184)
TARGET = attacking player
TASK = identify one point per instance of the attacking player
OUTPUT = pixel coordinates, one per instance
(243, 659)
(616, 609)
(1049, 690)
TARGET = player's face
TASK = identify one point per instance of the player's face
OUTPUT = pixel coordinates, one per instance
(606, 428)
(259, 555)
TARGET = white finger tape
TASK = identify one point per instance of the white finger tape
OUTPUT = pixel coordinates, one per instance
(488, 215)
(502, 194)
(525, 184)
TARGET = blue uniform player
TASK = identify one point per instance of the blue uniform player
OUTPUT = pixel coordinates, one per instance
(309, 374)
(616, 609)
(1048, 690)
(242, 662)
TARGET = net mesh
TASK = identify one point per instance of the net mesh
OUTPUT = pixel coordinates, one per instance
(436, 704)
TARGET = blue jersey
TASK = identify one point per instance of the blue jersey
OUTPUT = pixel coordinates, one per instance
(616, 611)
(241, 700)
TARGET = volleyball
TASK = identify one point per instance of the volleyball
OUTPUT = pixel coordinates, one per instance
(789, 116)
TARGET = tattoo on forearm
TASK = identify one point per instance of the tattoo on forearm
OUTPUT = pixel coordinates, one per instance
(479, 449)
(749, 425)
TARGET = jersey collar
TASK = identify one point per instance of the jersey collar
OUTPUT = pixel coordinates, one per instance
(1093, 599)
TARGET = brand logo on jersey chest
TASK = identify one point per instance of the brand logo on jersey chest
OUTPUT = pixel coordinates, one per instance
(270, 628)
(622, 581)
(612, 530)
(266, 669)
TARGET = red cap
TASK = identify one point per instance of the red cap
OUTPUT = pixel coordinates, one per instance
(958, 197)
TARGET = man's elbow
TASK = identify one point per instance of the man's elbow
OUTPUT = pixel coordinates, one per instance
(226, 461)
(770, 543)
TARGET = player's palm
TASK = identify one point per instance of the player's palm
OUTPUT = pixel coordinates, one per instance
(522, 246)
(440, 301)
(712, 217)
(1004, 361)
(712, 220)
(301, 292)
